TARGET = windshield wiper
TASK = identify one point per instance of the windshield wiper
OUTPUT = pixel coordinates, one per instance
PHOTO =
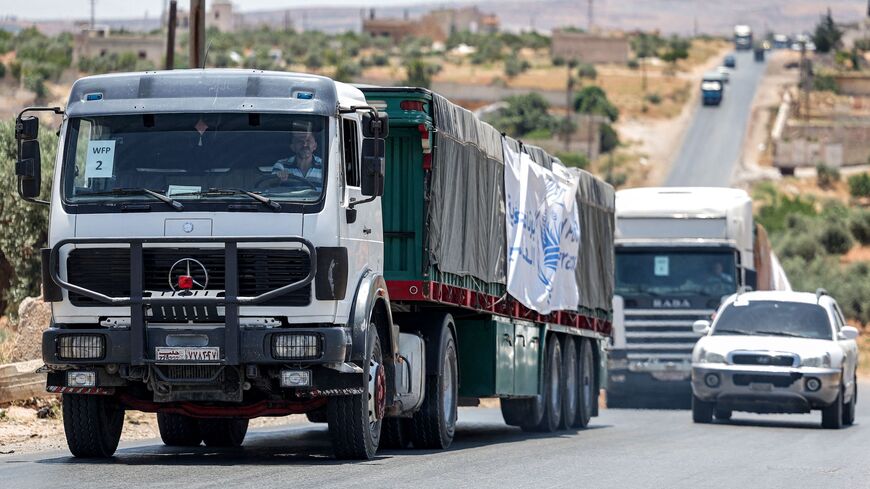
(781, 333)
(235, 191)
(139, 191)
(733, 331)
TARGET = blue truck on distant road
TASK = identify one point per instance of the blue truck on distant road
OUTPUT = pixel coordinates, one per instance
(712, 89)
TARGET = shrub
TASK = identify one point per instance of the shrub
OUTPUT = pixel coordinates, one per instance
(654, 98)
(576, 160)
(859, 185)
(836, 239)
(803, 246)
(609, 138)
(825, 83)
(514, 66)
(380, 59)
(633, 64)
(2, 70)
(558, 61)
(587, 70)
(826, 175)
(859, 225)
(25, 225)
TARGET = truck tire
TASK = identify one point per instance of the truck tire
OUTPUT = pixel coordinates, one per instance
(434, 425)
(317, 416)
(178, 430)
(570, 383)
(702, 411)
(395, 433)
(92, 424)
(832, 416)
(587, 394)
(551, 390)
(849, 409)
(224, 432)
(354, 423)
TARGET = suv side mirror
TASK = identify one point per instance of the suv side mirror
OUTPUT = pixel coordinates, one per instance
(701, 326)
(848, 333)
(372, 175)
(375, 127)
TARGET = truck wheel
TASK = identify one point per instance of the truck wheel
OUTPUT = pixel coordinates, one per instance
(317, 416)
(396, 433)
(178, 430)
(225, 432)
(552, 393)
(92, 424)
(570, 383)
(586, 393)
(355, 420)
(849, 409)
(702, 411)
(722, 414)
(434, 425)
(832, 416)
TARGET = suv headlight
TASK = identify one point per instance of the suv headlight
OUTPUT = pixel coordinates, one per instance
(820, 361)
(711, 357)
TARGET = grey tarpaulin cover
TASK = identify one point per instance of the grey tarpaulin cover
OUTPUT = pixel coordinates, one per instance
(466, 218)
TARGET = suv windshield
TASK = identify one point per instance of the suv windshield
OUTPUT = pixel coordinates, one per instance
(710, 273)
(189, 156)
(774, 318)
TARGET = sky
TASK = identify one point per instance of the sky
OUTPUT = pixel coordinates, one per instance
(123, 9)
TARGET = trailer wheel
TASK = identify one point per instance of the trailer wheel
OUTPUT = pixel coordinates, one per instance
(225, 432)
(396, 433)
(570, 382)
(587, 394)
(92, 424)
(434, 425)
(355, 420)
(178, 430)
(552, 392)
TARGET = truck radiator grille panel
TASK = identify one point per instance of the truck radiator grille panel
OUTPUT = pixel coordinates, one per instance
(106, 270)
(661, 335)
(192, 373)
(764, 359)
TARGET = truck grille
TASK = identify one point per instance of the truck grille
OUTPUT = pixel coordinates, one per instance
(192, 373)
(106, 270)
(661, 335)
(777, 360)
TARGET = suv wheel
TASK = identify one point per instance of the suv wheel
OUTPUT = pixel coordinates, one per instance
(832, 416)
(702, 411)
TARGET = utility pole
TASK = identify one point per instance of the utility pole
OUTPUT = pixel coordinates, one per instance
(569, 91)
(170, 34)
(197, 33)
(590, 16)
(93, 14)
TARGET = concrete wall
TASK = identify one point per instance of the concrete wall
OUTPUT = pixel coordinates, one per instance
(833, 144)
(853, 83)
(589, 48)
(151, 48)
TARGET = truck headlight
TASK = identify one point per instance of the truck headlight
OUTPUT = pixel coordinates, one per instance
(711, 357)
(820, 361)
(296, 346)
(81, 347)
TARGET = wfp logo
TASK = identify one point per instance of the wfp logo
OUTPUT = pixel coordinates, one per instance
(548, 216)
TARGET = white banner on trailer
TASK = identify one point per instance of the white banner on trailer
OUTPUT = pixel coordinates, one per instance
(543, 234)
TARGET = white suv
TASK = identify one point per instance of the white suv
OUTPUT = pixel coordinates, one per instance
(776, 352)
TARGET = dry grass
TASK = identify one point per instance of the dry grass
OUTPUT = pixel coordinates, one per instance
(7, 340)
(864, 356)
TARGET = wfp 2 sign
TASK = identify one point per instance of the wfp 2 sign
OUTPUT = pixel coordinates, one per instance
(100, 161)
(543, 234)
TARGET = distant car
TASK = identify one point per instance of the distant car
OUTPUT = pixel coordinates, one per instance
(730, 61)
(724, 72)
(776, 352)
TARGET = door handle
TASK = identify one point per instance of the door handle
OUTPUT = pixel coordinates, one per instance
(523, 337)
(367, 230)
(507, 339)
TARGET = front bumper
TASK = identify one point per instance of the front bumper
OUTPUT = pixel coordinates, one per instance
(255, 345)
(765, 389)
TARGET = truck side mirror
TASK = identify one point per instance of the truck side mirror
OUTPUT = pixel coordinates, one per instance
(28, 168)
(372, 177)
(375, 127)
(27, 128)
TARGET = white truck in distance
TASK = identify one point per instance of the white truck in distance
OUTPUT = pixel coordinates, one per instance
(679, 251)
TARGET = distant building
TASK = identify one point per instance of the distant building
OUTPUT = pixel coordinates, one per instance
(437, 25)
(590, 48)
(220, 16)
(91, 43)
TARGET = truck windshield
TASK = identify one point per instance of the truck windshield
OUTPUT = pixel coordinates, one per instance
(774, 318)
(193, 156)
(675, 273)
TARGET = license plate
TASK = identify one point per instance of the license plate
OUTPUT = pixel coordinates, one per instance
(671, 376)
(187, 353)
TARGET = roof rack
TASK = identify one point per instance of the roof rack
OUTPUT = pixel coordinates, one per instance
(819, 293)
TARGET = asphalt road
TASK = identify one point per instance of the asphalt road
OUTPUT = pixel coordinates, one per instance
(714, 139)
(620, 449)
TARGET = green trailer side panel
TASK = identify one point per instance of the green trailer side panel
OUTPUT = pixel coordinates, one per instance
(528, 358)
(402, 205)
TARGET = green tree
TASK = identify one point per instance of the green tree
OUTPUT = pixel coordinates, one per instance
(593, 100)
(524, 114)
(587, 71)
(827, 36)
(419, 73)
(676, 49)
